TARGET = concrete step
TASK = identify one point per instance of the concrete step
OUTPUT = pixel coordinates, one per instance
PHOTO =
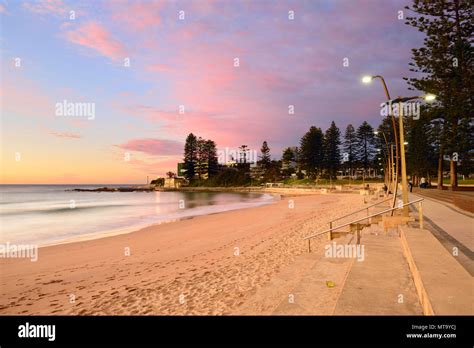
(319, 289)
(268, 297)
(301, 288)
(443, 285)
(381, 284)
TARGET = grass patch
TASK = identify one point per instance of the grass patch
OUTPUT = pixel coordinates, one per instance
(447, 181)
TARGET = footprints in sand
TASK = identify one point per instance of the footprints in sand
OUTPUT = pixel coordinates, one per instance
(211, 282)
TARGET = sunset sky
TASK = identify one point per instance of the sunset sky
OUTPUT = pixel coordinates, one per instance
(186, 62)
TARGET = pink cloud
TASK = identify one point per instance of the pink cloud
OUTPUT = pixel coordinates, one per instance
(137, 16)
(154, 147)
(66, 135)
(96, 37)
(194, 30)
(45, 6)
(158, 68)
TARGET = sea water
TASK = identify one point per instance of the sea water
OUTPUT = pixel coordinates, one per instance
(52, 214)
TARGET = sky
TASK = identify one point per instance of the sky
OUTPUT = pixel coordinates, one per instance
(151, 72)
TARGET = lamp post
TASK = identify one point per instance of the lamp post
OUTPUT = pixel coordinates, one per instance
(400, 101)
(367, 80)
(394, 174)
(402, 159)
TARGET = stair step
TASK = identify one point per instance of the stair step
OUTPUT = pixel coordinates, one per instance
(268, 297)
(381, 283)
(301, 288)
(443, 285)
(312, 295)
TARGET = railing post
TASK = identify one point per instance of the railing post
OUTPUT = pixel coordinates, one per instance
(420, 212)
(330, 231)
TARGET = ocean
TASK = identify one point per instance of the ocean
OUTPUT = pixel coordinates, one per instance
(53, 214)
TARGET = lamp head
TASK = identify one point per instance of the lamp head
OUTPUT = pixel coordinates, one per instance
(430, 97)
(367, 79)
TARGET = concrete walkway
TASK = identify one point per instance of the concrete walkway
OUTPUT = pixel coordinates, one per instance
(443, 285)
(453, 228)
(413, 275)
(458, 225)
(382, 284)
(463, 200)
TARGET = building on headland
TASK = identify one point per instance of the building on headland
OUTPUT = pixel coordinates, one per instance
(230, 164)
(359, 173)
(175, 182)
(256, 171)
(201, 170)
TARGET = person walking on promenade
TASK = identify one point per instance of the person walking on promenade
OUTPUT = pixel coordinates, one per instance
(423, 182)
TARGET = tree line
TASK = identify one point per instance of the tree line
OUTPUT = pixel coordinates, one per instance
(441, 139)
(200, 157)
(323, 155)
(319, 155)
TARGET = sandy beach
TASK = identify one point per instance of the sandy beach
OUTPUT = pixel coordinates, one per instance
(204, 265)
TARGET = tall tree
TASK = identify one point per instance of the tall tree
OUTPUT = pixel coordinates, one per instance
(312, 151)
(265, 158)
(332, 154)
(289, 159)
(350, 147)
(201, 161)
(420, 158)
(190, 156)
(445, 64)
(386, 127)
(365, 144)
(210, 153)
(437, 137)
(288, 155)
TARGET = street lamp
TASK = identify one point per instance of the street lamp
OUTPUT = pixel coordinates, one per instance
(368, 79)
(400, 100)
(427, 97)
(430, 97)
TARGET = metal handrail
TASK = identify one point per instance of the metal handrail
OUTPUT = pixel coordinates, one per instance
(358, 211)
(364, 218)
